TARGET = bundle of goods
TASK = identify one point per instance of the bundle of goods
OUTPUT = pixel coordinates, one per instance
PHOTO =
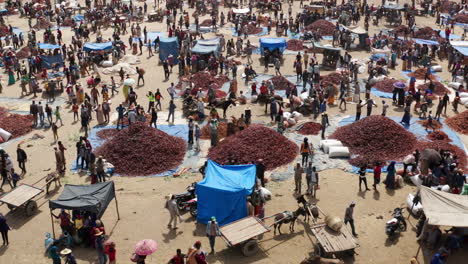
(147, 151)
(42, 23)
(253, 143)
(438, 135)
(385, 85)
(295, 44)
(439, 89)
(332, 78)
(428, 33)
(23, 53)
(459, 122)
(420, 73)
(310, 128)
(375, 138)
(461, 18)
(222, 130)
(281, 83)
(322, 27)
(435, 124)
(107, 133)
(439, 145)
(203, 80)
(401, 30)
(326, 144)
(206, 23)
(14, 124)
(252, 29)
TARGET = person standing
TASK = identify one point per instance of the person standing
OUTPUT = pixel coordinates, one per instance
(48, 111)
(377, 172)
(158, 97)
(197, 137)
(214, 132)
(100, 173)
(57, 116)
(40, 111)
(306, 150)
(390, 180)
(4, 228)
(308, 171)
(358, 110)
(172, 108)
(170, 91)
(14, 177)
(314, 182)
(120, 111)
(362, 178)
(99, 245)
(298, 170)
(21, 157)
(324, 123)
(34, 112)
(111, 252)
(58, 160)
(349, 217)
(212, 231)
(369, 104)
(191, 127)
(171, 206)
(384, 108)
(154, 117)
(54, 253)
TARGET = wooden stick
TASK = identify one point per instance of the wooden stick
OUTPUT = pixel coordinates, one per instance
(52, 222)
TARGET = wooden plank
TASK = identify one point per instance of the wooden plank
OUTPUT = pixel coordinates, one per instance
(243, 229)
(20, 195)
(332, 241)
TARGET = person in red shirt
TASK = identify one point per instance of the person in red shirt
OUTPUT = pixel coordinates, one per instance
(377, 172)
(111, 252)
(263, 89)
(179, 258)
(254, 89)
(447, 33)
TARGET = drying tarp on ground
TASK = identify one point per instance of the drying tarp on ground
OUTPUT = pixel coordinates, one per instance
(271, 44)
(443, 208)
(78, 18)
(462, 50)
(92, 198)
(224, 191)
(425, 41)
(168, 46)
(97, 46)
(378, 56)
(459, 43)
(317, 45)
(49, 61)
(47, 46)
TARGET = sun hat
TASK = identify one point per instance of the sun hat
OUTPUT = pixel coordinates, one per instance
(66, 251)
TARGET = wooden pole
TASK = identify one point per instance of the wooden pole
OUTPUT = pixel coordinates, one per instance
(52, 221)
(117, 206)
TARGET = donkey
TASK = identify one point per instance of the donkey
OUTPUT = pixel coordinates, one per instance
(308, 208)
(287, 217)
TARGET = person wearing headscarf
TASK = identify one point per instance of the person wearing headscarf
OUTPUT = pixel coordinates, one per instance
(390, 180)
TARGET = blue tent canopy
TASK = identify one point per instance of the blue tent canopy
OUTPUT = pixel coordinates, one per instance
(47, 46)
(49, 61)
(207, 46)
(168, 46)
(272, 43)
(463, 50)
(97, 46)
(223, 192)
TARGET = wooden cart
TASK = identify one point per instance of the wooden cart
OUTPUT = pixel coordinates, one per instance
(331, 242)
(22, 196)
(243, 232)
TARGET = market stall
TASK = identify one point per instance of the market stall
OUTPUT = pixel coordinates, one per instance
(167, 47)
(330, 55)
(360, 32)
(207, 47)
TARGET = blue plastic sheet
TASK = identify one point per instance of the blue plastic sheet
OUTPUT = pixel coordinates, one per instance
(48, 61)
(78, 18)
(452, 36)
(405, 74)
(462, 50)
(381, 94)
(223, 192)
(47, 46)
(97, 46)
(425, 41)
(378, 56)
(272, 43)
(292, 35)
(168, 46)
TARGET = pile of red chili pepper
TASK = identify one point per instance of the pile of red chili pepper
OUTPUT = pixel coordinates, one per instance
(206, 23)
(310, 128)
(253, 143)
(295, 44)
(461, 18)
(421, 73)
(281, 83)
(438, 135)
(146, 151)
(435, 124)
(203, 80)
(385, 85)
(375, 138)
(447, 6)
(107, 133)
(322, 27)
(401, 30)
(459, 122)
(331, 78)
(15, 124)
(23, 53)
(253, 29)
(222, 130)
(439, 89)
(425, 33)
(445, 145)
(42, 23)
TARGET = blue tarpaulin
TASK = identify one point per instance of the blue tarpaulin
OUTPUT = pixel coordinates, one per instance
(48, 61)
(168, 46)
(378, 56)
(207, 46)
(47, 46)
(462, 50)
(223, 193)
(272, 43)
(425, 41)
(97, 46)
(452, 36)
(78, 18)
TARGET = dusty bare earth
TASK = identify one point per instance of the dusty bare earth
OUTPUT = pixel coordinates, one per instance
(141, 199)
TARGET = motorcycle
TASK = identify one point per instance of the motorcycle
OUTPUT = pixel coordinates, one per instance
(396, 224)
(191, 206)
(182, 198)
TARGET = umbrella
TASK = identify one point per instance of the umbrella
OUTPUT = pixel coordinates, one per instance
(400, 85)
(146, 247)
(129, 82)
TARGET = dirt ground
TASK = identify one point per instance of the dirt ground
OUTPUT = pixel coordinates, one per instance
(141, 199)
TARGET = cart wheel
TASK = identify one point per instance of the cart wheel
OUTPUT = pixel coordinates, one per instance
(250, 248)
(318, 250)
(31, 207)
(11, 207)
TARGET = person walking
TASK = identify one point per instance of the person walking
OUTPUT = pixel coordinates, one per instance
(99, 245)
(171, 206)
(212, 231)
(57, 116)
(158, 97)
(172, 108)
(362, 178)
(4, 228)
(154, 117)
(120, 111)
(277, 66)
(21, 157)
(68, 256)
(314, 182)
(191, 127)
(260, 172)
(377, 172)
(298, 170)
(358, 110)
(111, 252)
(33, 110)
(308, 171)
(324, 123)
(370, 103)
(306, 150)
(100, 173)
(390, 179)
(349, 217)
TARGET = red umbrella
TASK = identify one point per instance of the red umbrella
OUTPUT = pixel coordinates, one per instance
(146, 247)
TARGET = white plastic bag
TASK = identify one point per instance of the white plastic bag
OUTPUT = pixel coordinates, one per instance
(338, 152)
(5, 135)
(454, 85)
(415, 209)
(436, 68)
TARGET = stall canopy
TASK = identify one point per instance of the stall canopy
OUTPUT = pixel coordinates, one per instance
(460, 46)
(272, 44)
(393, 7)
(241, 11)
(47, 46)
(224, 191)
(318, 45)
(168, 46)
(444, 209)
(207, 46)
(92, 198)
(425, 41)
(49, 61)
(356, 30)
(97, 46)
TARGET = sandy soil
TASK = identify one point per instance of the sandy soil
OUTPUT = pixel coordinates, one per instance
(141, 200)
